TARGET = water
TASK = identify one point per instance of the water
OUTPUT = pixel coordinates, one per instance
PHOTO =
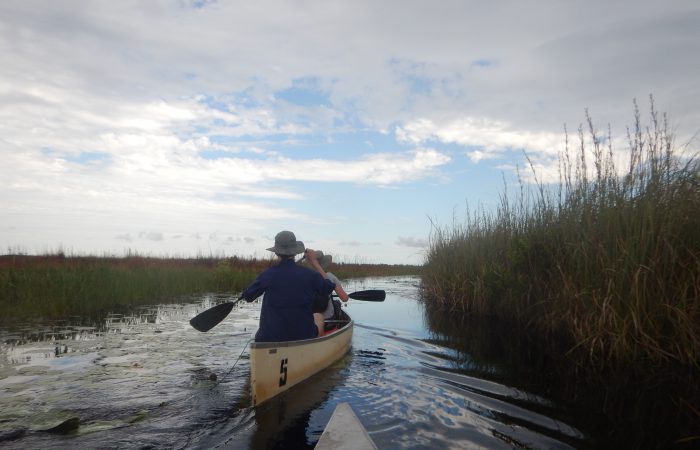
(148, 380)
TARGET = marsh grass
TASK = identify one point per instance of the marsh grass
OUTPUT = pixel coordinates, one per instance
(611, 257)
(57, 286)
(362, 270)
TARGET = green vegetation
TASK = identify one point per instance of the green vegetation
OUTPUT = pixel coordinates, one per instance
(356, 270)
(611, 261)
(56, 286)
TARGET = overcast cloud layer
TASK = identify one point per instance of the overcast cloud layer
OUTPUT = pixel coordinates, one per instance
(204, 127)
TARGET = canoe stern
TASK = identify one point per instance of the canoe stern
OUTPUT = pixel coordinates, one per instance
(277, 366)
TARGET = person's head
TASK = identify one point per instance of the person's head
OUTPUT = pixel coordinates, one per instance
(286, 245)
(324, 260)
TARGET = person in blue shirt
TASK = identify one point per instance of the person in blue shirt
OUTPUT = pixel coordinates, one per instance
(289, 291)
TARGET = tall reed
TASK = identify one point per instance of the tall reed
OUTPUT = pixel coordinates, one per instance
(610, 256)
(56, 286)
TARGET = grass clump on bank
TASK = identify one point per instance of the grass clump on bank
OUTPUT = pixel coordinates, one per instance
(611, 260)
(56, 286)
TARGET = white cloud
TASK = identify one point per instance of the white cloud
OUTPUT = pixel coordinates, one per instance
(151, 235)
(168, 115)
(407, 241)
(543, 59)
(490, 138)
(379, 168)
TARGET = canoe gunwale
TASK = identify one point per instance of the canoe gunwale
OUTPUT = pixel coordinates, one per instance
(262, 345)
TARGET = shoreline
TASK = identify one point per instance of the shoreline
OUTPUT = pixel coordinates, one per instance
(55, 286)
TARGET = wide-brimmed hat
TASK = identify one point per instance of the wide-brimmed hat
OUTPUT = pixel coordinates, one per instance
(324, 260)
(286, 244)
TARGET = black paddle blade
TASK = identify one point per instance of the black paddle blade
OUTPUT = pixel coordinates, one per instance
(210, 318)
(374, 295)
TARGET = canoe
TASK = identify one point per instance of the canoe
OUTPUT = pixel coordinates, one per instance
(277, 366)
(345, 432)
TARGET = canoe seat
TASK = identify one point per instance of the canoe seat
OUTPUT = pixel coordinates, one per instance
(330, 328)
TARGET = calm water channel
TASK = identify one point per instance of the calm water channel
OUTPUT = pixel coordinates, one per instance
(148, 380)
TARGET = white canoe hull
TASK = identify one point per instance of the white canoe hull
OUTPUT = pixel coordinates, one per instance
(345, 432)
(277, 366)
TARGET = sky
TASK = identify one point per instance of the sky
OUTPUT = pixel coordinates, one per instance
(186, 128)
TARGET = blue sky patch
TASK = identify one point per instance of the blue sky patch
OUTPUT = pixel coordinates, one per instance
(305, 92)
(88, 158)
(197, 4)
(214, 154)
(483, 62)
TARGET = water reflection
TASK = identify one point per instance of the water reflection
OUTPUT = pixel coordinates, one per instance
(416, 398)
(145, 379)
(620, 409)
(284, 419)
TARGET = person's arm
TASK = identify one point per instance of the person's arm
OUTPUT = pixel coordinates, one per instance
(338, 287)
(254, 291)
(310, 256)
(341, 293)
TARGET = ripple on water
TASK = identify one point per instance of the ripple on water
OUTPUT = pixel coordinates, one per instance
(144, 379)
(411, 396)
